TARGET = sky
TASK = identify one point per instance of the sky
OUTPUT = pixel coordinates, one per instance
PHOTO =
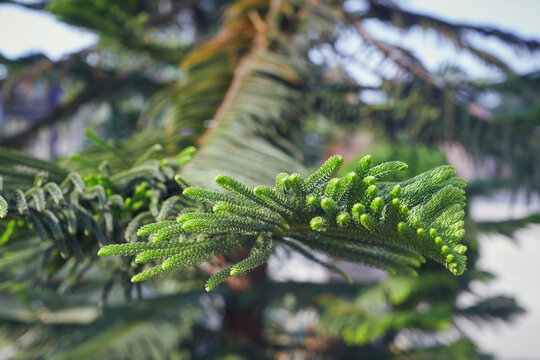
(24, 31)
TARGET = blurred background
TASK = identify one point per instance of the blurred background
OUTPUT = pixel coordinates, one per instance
(425, 82)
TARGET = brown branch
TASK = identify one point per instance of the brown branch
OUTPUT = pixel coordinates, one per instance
(244, 67)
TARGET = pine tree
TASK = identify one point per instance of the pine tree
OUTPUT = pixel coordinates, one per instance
(211, 219)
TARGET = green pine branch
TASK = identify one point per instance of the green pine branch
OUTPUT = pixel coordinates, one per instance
(99, 204)
(359, 217)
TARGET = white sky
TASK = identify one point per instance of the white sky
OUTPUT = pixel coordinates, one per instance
(24, 31)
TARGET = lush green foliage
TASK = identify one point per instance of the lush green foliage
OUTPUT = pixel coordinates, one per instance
(261, 87)
(91, 206)
(358, 218)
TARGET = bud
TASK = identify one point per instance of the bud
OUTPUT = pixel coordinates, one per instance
(318, 223)
(404, 211)
(281, 178)
(363, 164)
(403, 228)
(343, 219)
(377, 204)
(368, 222)
(358, 208)
(351, 178)
(460, 249)
(328, 205)
(332, 187)
(312, 202)
(369, 180)
(371, 192)
(396, 192)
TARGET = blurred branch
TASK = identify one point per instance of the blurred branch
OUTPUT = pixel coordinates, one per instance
(35, 64)
(243, 69)
(99, 89)
(387, 11)
(160, 18)
(508, 227)
(401, 57)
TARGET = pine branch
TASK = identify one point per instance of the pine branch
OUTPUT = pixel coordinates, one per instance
(98, 205)
(496, 308)
(245, 66)
(358, 218)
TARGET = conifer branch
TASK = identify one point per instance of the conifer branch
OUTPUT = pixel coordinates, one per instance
(358, 218)
(98, 205)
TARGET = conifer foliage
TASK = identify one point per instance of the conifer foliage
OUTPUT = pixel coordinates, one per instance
(96, 204)
(255, 78)
(359, 217)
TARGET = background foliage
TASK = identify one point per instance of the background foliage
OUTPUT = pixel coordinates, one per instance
(239, 80)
